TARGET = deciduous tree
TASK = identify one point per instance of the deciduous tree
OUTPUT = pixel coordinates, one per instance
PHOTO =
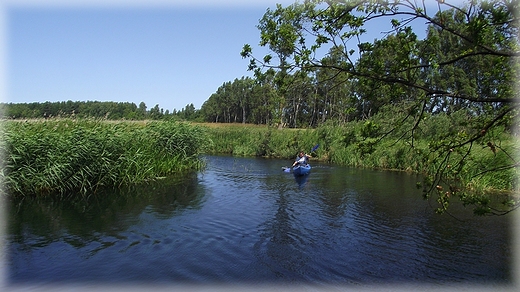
(466, 65)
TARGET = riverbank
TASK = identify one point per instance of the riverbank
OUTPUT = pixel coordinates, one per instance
(472, 172)
(69, 156)
(344, 145)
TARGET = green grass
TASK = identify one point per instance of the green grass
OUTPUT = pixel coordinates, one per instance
(260, 141)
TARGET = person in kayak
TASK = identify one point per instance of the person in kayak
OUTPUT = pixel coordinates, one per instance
(301, 159)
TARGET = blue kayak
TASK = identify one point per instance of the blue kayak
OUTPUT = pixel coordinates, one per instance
(301, 169)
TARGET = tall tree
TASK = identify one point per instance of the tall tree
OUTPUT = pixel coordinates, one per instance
(469, 61)
(142, 109)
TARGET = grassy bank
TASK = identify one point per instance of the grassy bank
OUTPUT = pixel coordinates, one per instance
(79, 157)
(252, 140)
(351, 145)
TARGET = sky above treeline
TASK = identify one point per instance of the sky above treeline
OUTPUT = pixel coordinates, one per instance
(170, 53)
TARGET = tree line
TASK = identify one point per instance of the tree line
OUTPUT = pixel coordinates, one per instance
(467, 61)
(305, 100)
(93, 109)
(319, 71)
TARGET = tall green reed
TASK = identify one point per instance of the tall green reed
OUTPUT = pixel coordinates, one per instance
(79, 157)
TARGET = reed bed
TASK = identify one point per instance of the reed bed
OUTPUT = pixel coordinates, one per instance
(79, 157)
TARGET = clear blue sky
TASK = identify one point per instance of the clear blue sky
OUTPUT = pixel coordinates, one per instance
(173, 53)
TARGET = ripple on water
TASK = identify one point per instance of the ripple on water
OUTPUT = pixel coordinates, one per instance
(243, 220)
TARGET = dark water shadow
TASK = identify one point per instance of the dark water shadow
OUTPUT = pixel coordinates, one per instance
(301, 180)
(45, 220)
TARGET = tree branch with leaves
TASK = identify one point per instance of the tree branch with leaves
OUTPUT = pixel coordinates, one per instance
(467, 63)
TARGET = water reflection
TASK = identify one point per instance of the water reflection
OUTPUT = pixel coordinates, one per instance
(280, 247)
(301, 180)
(37, 222)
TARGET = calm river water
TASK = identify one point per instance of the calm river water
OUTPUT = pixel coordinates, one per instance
(244, 221)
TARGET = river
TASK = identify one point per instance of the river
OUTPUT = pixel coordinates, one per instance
(243, 221)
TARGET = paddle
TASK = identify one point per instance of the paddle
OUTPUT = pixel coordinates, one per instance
(288, 169)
